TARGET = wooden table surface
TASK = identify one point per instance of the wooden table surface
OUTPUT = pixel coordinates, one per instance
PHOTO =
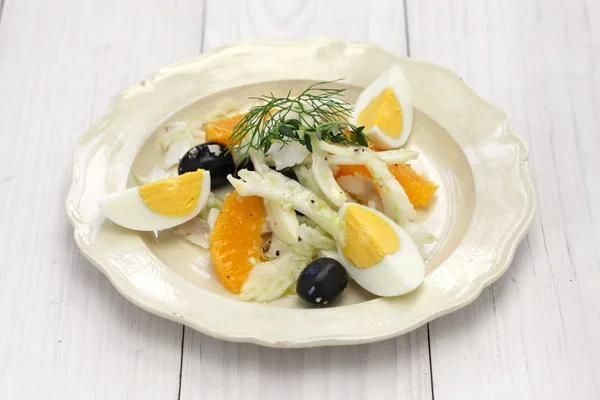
(65, 333)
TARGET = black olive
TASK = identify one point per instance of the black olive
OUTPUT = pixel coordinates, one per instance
(322, 281)
(201, 157)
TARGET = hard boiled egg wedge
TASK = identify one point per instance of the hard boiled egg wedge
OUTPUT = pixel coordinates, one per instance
(384, 108)
(377, 253)
(159, 205)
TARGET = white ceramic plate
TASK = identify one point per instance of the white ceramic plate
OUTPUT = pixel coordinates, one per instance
(483, 208)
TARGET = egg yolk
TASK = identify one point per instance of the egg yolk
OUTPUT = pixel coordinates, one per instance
(383, 111)
(173, 197)
(368, 237)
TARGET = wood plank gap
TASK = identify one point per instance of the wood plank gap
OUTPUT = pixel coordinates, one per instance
(181, 361)
(203, 26)
(430, 363)
(183, 328)
(407, 39)
(1, 9)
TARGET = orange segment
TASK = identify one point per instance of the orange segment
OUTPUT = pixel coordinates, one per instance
(418, 189)
(220, 130)
(235, 243)
(352, 170)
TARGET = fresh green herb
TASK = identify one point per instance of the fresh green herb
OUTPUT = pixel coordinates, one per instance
(317, 110)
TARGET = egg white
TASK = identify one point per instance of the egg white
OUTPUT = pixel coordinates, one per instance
(396, 274)
(127, 209)
(394, 79)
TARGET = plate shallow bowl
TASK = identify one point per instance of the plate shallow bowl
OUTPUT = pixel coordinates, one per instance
(483, 208)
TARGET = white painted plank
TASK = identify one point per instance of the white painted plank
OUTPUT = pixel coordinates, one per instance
(534, 333)
(232, 20)
(65, 333)
(393, 369)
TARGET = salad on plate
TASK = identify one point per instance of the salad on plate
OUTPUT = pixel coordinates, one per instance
(297, 194)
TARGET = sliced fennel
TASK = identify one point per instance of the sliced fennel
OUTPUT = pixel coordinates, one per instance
(398, 156)
(181, 130)
(212, 202)
(302, 219)
(307, 179)
(324, 177)
(277, 187)
(287, 154)
(269, 280)
(195, 231)
(145, 180)
(360, 187)
(419, 235)
(156, 174)
(276, 248)
(395, 201)
(281, 217)
(225, 108)
(282, 221)
(175, 152)
(213, 213)
(316, 237)
(329, 254)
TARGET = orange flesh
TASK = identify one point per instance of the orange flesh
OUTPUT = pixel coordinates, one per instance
(235, 243)
(220, 130)
(353, 170)
(419, 190)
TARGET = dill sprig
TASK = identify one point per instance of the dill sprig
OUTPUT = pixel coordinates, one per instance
(318, 110)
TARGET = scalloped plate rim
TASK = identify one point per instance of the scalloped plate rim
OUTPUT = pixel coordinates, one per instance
(475, 289)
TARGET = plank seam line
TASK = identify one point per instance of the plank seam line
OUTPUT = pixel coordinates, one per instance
(430, 363)
(406, 34)
(203, 26)
(408, 53)
(181, 361)
(1, 10)
(183, 327)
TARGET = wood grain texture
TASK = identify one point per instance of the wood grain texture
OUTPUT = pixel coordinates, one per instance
(349, 20)
(65, 333)
(393, 369)
(533, 334)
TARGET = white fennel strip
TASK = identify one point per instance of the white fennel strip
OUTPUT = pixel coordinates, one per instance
(277, 187)
(316, 238)
(324, 177)
(419, 235)
(269, 280)
(307, 179)
(399, 156)
(281, 217)
(395, 201)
